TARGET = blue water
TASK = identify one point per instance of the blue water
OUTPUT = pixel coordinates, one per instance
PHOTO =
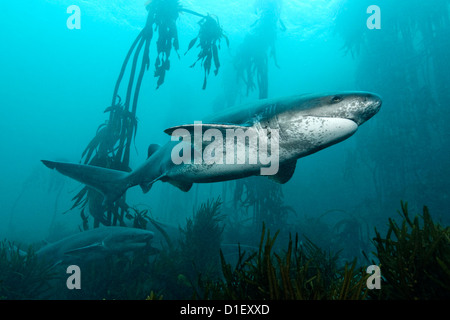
(55, 84)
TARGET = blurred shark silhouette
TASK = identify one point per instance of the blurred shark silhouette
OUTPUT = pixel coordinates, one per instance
(96, 244)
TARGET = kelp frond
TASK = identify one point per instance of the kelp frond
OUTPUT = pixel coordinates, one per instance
(297, 274)
(209, 38)
(22, 274)
(414, 258)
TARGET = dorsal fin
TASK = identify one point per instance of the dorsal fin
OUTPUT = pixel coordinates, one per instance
(285, 172)
(152, 149)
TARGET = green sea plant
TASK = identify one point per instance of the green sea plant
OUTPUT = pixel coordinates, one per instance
(251, 63)
(154, 296)
(414, 258)
(202, 236)
(118, 277)
(303, 271)
(264, 199)
(163, 15)
(349, 234)
(22, 274)
(178, 269)
(140, 218)
(208, 38)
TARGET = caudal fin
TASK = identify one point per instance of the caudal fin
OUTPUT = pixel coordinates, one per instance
(111, 183)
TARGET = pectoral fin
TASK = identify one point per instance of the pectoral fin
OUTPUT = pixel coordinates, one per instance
(285, 172)
(146, 186)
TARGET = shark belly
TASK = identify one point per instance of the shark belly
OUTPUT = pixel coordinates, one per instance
(206, 173)
(312, 134)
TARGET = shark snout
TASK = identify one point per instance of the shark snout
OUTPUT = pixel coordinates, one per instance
(374, 103)
(369, 105)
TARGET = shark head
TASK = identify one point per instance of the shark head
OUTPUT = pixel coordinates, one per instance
(313, 122)
(358, 107)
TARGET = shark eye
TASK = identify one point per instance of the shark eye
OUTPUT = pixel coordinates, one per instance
(336, 99)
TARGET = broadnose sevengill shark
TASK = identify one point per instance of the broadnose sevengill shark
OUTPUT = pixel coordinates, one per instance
(305, 124)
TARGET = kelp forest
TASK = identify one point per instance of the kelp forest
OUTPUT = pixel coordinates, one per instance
(252, 238)
(111, 146)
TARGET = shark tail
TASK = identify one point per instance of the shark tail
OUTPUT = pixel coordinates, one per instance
(110, 183)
